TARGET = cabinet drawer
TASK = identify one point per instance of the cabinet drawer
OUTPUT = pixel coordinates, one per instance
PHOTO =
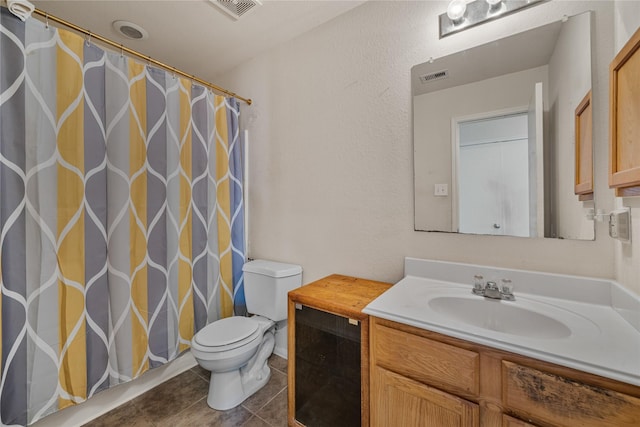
(425, 360)
(561, 401)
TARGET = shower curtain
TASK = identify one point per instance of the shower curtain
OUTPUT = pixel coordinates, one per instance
(121, 217)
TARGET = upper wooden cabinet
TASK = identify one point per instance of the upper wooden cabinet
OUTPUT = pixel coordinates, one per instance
(624, 143)
(584, 149)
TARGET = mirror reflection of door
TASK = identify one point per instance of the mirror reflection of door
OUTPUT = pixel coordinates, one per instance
(493, 176)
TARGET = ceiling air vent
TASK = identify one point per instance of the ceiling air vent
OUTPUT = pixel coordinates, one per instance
(236, 8)
(431, 77)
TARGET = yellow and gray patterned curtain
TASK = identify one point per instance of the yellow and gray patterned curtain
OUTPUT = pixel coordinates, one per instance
(121, 217)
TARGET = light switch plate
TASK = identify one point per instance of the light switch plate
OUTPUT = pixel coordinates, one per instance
(441, 190)
(620, 224)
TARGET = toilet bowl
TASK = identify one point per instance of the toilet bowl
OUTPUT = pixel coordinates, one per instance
(236, 349)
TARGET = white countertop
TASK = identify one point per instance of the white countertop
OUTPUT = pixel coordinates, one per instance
(603, 339)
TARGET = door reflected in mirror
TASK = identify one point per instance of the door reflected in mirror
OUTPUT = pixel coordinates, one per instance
(495, 125)
(493, 174)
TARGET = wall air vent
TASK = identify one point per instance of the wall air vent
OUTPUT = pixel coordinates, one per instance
(432, 77)
(236, 8)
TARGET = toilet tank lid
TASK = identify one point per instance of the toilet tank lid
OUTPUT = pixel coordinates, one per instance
(271, 268)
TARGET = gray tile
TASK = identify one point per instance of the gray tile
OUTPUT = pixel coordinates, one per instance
(256, 422)
(200, 414)
(126, 414)
(275, 412)
(276, 384)
(279, 363)
(172, 396)
(181, 401)
(202, 373)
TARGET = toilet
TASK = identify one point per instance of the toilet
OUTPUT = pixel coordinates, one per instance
(236, 349)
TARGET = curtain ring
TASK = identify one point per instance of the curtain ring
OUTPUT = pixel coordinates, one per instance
(46, 21)
(121, 51)
(89, 39)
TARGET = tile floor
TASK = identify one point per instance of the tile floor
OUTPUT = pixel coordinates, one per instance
(182, 401)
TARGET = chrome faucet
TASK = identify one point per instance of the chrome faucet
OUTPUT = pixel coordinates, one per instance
(491, 289)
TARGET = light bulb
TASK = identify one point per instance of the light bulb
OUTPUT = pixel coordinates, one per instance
(494, 5)
(456, 10)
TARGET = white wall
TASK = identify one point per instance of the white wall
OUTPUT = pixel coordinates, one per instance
(627, 20)
(332, 153)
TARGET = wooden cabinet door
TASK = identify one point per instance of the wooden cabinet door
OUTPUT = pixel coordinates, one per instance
(584, 149)
(400, 401)
(552, 399)
(624, 126)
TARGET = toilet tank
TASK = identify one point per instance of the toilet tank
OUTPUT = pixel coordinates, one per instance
(266, 284)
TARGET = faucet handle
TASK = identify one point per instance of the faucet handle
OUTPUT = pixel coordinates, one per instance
(507, 287)
(507, 290)
(478, 284)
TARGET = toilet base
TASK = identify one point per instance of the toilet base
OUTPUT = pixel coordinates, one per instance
(229, 389)
(234, 392)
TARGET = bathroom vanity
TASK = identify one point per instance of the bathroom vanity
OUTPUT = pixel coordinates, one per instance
(565, 353)
(329, 352)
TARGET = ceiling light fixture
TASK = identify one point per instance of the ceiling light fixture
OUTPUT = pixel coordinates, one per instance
(130, 30)
(495, 6)
(461, 15)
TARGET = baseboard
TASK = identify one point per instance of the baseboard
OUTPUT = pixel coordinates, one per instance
(110, 399)
(280, 351)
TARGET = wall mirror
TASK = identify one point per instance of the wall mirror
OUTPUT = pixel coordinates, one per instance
(494, 135)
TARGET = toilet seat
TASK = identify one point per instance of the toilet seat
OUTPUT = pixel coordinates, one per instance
(228, 334)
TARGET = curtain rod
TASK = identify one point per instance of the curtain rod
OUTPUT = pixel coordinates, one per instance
(49, 17)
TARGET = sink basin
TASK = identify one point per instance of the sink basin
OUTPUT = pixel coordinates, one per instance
(499, 316)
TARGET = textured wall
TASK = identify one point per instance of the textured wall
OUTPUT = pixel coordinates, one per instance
(332, 155)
